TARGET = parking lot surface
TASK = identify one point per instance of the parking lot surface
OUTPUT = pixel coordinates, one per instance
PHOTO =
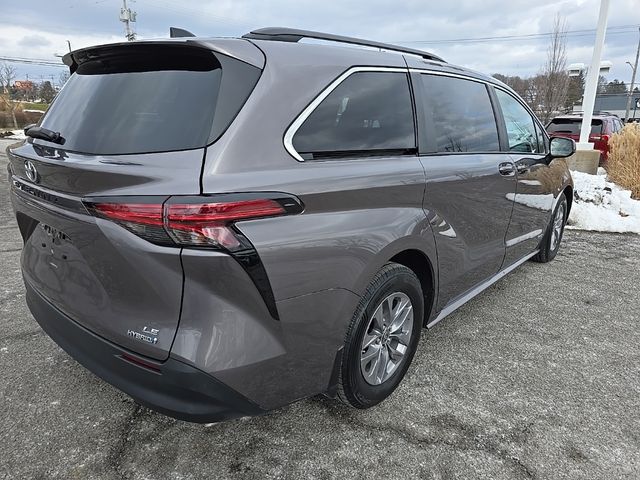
(538, 377)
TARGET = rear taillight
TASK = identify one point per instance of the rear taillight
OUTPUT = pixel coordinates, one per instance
(204, 221)
(207, 224)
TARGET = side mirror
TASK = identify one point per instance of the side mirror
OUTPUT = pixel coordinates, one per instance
(26, 129)
(562, 147)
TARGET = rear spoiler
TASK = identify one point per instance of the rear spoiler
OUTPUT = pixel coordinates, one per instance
(238, 49)
(76, 58)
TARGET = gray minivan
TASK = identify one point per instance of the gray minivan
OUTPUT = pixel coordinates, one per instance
(219, 227)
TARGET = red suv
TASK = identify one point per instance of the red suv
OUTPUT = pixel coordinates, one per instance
(603, 125)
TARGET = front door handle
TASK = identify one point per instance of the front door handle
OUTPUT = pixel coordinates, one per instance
(507, 169)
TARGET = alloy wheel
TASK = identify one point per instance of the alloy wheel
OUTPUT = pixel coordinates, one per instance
(556, 229)
(387, 338)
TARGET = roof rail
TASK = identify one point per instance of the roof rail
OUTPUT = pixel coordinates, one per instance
(294, 35)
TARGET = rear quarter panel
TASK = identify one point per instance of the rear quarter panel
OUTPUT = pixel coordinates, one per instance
(354, 209)
(358, 214)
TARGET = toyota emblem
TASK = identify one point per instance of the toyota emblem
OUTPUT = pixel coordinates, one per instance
(30, 171)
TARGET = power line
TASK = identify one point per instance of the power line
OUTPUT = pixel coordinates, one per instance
(97, 2)
(618, 30)
(32, 61)
(198, 12)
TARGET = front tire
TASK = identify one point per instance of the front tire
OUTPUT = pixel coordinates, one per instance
(382, 337)
(551, 241)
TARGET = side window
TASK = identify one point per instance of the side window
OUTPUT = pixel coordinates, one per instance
(369, 112)
(542, 139)
(617, 125)
(521, 130)
(463, 118)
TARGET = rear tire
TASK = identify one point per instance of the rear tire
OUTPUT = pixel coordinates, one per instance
(551, 242)
(382, 337)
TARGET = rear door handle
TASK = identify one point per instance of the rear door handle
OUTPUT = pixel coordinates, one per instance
(507, 169)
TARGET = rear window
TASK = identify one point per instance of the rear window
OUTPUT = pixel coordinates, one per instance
(572, 126)
(135, 101)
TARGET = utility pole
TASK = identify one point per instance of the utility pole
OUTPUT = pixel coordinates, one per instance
(592, 78)
(128, 16)
(633, 79)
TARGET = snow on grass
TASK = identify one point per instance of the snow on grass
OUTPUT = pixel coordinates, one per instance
(602, 206)
(13, 135)
(17, 135)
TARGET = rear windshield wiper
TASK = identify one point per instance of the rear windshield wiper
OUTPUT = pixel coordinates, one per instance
(44, 134)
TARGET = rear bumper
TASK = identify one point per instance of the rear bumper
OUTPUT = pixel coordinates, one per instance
(170, 387)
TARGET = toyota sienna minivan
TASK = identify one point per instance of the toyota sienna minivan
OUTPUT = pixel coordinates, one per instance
(219, 227)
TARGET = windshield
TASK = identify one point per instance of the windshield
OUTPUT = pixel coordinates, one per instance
(572, 126)
(133, 103)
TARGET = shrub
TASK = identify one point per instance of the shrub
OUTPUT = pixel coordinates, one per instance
(23, 118)
(623, 166)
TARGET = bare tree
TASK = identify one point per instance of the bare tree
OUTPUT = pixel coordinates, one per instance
(7, 76)
(62, 78)
(553, 82)
(520, 85)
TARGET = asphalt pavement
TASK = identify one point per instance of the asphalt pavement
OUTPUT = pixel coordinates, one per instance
(538, 377)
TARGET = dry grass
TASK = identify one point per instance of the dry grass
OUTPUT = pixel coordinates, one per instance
(623, 165)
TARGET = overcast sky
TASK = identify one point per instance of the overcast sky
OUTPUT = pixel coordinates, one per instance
(40, 28)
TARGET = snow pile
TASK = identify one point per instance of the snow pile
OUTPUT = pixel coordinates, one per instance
(16, 135)
(602, 206)
(13, 135)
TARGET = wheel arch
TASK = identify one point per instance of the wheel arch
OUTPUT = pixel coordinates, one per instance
(419, 263)
(416, 252)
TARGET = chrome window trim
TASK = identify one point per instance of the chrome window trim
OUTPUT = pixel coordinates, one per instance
(302, 117)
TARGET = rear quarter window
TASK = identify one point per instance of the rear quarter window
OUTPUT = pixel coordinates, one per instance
(369, 113)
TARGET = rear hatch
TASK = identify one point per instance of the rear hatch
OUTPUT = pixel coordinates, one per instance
(135, 119)
(570, 128)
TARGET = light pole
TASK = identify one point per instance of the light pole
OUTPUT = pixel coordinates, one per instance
(633, 79)
(128, 16)
(592, 78)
